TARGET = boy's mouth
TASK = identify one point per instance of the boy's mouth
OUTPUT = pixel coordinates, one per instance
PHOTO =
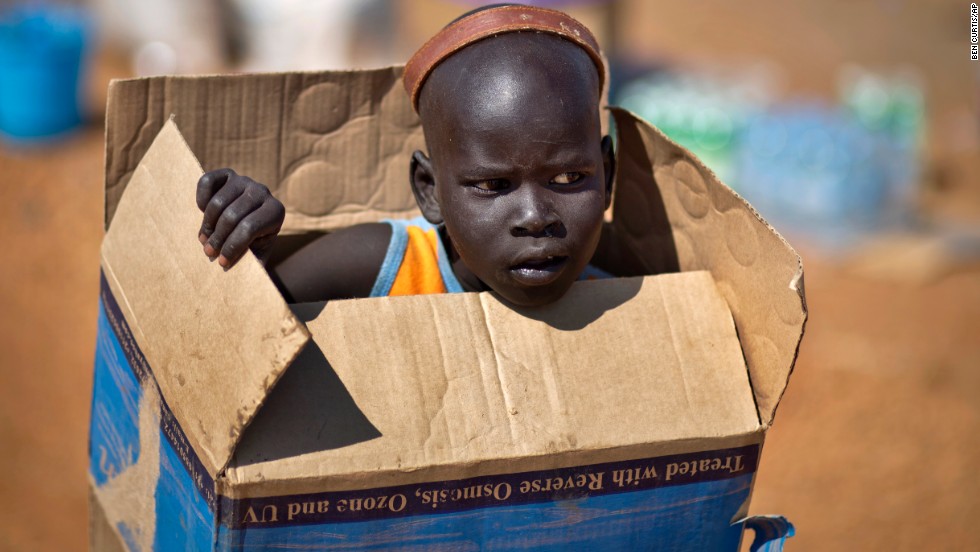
(539, 271)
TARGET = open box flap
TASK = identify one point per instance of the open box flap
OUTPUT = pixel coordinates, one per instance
(401, 384)
(671, 213)
(335, 147)
(216, 341)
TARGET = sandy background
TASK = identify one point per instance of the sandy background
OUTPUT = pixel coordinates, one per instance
(876, 442)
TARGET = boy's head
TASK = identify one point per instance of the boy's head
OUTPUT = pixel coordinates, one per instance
(518, 170)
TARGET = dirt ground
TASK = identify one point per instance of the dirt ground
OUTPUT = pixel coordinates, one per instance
(874, 447)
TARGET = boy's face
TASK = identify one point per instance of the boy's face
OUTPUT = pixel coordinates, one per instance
(521, 180)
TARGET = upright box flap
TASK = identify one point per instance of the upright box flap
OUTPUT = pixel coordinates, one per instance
(216, 342)
(459, 380)
(333, 146)
(671, 213)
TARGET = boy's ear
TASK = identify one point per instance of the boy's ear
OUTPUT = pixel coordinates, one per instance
(424, 187)
(608, 167)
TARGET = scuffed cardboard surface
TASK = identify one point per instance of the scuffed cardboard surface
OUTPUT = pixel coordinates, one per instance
(217, 341)
(124, 498)
(102, 537)
(462, 379)
(671, 213)
(334, 147)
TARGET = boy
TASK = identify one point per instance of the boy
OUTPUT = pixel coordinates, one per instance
(512, 192)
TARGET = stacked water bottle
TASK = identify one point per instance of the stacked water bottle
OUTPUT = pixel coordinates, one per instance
(833, 173)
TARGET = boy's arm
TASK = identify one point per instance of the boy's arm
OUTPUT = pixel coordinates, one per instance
(241, 214)
(340, 265)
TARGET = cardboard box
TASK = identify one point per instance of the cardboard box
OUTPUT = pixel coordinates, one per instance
(630, 414)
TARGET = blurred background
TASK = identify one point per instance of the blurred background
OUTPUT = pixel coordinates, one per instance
(853, 127)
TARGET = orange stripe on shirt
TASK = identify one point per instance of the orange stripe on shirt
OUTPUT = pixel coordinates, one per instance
(419, 272)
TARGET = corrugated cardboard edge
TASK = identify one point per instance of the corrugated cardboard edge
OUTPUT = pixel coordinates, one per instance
(212, 416)
(759, 273)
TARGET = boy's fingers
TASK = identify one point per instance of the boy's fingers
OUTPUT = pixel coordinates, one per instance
(230, 219)
(217, 205)
(264, 222)
(210, 183)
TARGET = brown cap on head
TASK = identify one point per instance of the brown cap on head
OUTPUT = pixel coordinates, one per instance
(491, 22)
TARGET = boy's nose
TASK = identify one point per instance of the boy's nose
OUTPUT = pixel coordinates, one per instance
(536, 217)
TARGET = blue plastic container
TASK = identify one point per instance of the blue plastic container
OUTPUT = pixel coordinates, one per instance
(41, 54)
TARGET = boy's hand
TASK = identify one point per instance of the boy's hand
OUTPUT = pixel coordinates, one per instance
(239, 213)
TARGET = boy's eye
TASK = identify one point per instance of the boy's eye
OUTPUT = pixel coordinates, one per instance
(567, 178)
(492, 185)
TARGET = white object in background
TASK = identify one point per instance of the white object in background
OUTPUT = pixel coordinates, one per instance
(296, 35)
(155, 58)
(167, 36)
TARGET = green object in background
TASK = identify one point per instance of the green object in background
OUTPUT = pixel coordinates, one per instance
(701, 115)
(890, 104)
